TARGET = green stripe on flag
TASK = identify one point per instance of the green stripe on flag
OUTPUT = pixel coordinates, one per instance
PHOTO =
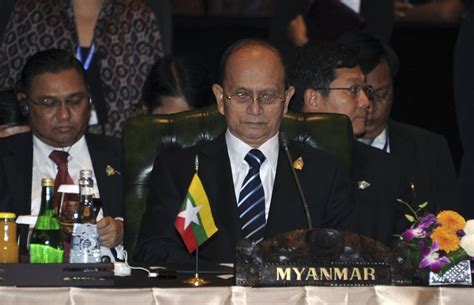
(198, 230)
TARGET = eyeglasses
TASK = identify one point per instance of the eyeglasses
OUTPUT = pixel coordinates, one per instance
(264, 98)
(51, 104)
(354, 90)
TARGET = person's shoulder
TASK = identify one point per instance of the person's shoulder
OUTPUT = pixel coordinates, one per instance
(17, 140)
(314, 155)
(367, 152)
(103, 140)
(413, 132)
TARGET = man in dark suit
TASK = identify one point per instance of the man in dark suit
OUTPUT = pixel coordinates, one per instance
(464, 98)
(423, 156)
(253, 96)
(54, 96)
(328, 79)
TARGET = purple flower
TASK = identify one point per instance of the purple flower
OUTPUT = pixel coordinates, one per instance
(428, 220)
(420, 229)
(432, 258)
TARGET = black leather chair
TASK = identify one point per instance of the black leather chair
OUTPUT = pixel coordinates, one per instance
(145, 136)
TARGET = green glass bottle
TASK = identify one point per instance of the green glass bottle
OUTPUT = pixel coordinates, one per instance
(45, 244)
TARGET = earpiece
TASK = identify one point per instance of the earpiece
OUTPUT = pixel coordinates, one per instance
(24, 107)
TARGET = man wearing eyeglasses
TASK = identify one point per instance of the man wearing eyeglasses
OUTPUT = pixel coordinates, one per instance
(328, 78)
(423, 155)
(244, 172)
(53, 95)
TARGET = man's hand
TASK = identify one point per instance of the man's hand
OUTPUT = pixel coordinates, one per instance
(110, 232)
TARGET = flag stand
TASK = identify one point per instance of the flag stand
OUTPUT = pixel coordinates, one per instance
(204, 221)
(196, 281)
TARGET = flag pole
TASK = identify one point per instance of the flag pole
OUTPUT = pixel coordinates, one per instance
(196, 281)
(196, 274)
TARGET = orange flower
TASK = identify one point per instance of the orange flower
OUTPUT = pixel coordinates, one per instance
(451, 220)
(447, 239)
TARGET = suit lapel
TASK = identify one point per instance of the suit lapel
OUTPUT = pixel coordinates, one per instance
(216, 176)
(285, 205)
(398, 143)
(98, 154)
(18, 164)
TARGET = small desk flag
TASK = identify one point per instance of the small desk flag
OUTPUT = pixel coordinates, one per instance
(194, 222)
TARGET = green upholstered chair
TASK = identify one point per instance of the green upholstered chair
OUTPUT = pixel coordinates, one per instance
(144, 137)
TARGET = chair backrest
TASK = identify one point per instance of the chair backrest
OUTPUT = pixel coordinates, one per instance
(144, 137)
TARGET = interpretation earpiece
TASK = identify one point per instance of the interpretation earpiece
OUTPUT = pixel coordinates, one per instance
(24, 107)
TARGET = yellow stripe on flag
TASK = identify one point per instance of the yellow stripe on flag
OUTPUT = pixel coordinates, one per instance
(197, 192)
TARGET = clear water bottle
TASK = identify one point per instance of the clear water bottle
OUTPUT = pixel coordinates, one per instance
(85, 242)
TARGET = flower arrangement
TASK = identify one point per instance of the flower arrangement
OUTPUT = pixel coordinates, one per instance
(438, 242)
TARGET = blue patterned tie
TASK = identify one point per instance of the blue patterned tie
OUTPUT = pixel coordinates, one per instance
(251, 203)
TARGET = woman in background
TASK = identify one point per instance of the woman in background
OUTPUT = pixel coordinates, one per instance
(176, 84)
(116, 41)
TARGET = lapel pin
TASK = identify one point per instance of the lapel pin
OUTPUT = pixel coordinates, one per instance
(362, 185)
(110, 171)
(298, 164)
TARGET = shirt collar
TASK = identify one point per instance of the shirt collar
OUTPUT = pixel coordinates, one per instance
(380, 141)
(238, 149)
(43, 149)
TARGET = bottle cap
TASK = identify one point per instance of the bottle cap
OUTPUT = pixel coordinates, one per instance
(47, 182)
(7, 215)
(86, 173)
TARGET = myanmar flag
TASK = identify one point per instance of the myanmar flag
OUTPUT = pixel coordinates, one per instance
(194, 221)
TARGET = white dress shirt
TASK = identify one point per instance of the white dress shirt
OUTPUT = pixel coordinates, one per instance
(44, 167)
(381, 141)
(352, 4)
(237, 150)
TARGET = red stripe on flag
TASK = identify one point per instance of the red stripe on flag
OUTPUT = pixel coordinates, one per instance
(187, 235)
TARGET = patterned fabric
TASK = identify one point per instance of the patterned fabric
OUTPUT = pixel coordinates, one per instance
(127, 38)
(252, 199)
(62, 177)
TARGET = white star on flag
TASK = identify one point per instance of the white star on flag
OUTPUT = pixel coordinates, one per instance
(190, 214)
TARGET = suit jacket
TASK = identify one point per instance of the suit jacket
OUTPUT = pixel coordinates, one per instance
(16, 164)
(326, 185)
(377, 214)
(426, 161)
(464, 97)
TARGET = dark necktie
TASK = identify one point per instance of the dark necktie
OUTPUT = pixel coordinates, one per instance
(62, 177)
(251, 203)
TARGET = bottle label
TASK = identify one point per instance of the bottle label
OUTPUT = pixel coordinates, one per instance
(44, 254)
(85, 244)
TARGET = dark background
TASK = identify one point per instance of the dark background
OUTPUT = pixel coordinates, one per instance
(424, 86)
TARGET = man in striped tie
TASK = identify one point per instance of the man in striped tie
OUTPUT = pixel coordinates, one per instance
(244, 171)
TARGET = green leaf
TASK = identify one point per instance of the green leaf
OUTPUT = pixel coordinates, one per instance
(410, 218)
(423, 205)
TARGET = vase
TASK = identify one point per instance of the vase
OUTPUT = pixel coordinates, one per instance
(459, 274)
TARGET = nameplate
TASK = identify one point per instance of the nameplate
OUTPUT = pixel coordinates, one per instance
(337, 274)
